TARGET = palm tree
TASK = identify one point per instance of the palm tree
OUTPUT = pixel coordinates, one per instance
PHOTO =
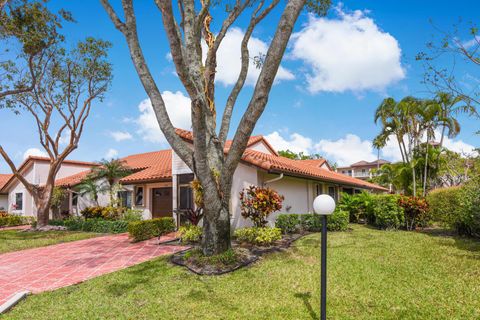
(111, 170)
(89, 186)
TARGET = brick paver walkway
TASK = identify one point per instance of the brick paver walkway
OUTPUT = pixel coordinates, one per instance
(52, 267)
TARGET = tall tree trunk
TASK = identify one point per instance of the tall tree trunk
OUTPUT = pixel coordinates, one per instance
(425, 172)
(42, 203)
(216, 224)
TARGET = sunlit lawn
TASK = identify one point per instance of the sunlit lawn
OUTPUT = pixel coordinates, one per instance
(14, 240)
(372, 275)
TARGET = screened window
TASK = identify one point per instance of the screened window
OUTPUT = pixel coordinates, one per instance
(74, 199)
(139, 196)
(332, 191)
(19, 201)
(186, 198)
(125, 198)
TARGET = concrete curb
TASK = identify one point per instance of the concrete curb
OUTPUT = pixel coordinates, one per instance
(13, 300)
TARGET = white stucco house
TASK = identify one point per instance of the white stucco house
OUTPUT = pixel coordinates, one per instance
(160, 182)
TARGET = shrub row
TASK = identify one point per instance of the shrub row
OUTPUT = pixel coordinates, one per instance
(92, 225)
(111, 213)
(291, 223)
(147, 229)
(258, 235)
(14, 220)
(458, 208)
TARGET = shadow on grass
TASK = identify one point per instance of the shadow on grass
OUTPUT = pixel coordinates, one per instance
(465, 243)
(305, 297)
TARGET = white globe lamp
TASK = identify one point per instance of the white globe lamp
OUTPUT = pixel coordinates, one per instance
(324, 204)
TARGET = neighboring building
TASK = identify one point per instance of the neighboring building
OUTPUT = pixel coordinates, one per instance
(160, 182)
(362, 169)
(4, 196)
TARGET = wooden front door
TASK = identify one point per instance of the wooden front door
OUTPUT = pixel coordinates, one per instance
(162, 202)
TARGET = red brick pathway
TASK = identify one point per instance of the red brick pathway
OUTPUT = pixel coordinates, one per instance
(52, 267)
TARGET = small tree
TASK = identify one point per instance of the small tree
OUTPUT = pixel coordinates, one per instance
(111, 171)
(415, 210)
(54, 85)
(59, 195)
(258, 203)
(89, 186)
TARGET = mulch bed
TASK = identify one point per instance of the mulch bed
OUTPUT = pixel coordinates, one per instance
(246, 255)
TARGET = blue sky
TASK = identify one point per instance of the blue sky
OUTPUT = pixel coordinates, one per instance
(335, 73)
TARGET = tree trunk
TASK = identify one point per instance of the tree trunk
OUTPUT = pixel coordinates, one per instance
(216, 226)
(42, 203)
(425, 170)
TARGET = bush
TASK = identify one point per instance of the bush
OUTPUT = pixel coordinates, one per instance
(385, 213)
(445, 205)
(415, 211)
(131, 215)
(190, 234)
(356, 205)
(258, 236)
(11, 220)
(258, 203)
(106, 213)
(147, 229)
(290, 223)
(468, 222)
(92, 225)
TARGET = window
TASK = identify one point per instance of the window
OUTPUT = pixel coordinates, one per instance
(74, 199)
(319, 189)
(139, 196)
(332, 191)
(19, 201)
(186, 198)
(125, 198)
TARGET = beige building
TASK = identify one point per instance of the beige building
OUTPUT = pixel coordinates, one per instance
(160, 182)
(362, 169)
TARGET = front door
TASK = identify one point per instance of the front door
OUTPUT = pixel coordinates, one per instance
(162, 202)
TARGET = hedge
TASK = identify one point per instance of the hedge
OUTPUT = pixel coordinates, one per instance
(263, 236)
(384, 212)
(147, 229)
(290, 223)
(92, 225)
(14, 220)
(445, 205)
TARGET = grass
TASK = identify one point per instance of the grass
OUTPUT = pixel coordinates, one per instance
(372, 275)
(14, 240)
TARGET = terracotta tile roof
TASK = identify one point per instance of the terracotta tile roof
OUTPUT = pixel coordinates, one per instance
(317, 163)
(72, 180)
(301, 169)
(152, 165)
(4, 179)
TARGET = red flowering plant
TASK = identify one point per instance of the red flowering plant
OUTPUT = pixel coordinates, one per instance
(258, 203)
(416, 211)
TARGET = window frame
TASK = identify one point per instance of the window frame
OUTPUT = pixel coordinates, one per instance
(17, 207)
(135, 195)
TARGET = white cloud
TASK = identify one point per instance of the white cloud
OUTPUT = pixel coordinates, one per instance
(111, 154)
(459, 146)
(347, 150)
(178, 108)
(34, 152)
(296, 142)
(120, 135)
(347, 53)
(229, 59)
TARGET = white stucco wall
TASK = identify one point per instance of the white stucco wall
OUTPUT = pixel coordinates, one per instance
(3, 202)
(260, 146)
(243, 177)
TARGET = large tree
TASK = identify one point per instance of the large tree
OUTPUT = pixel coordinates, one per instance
(52, 84)
(186, 30)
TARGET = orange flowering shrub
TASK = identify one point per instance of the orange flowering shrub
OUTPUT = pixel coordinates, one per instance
(258, 203)
(416, 211)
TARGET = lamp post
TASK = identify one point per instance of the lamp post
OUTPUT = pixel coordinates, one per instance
(323, 205)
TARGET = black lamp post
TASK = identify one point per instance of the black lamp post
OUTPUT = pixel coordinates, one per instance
(323, 205)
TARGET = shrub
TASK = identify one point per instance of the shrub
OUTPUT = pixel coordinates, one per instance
(11, 220)
(258, 236)
(190, 233)
(385, 213)
(92, 225)
(106, 213)
(468, 221)
(416, 211)
(445, 205)
(356, 205)
(131, 215)
(147, 229)
(258, 203)
(288, 223)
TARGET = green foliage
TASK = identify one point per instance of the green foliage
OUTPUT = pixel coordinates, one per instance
(190, 234)
(58, 196)
(445, 205)
(89, 186)
(298, 156)
(147, 229)
(106, 213)
(10, 220)
(258, 203)
(92, 225)
(288, 223)
(131, 215)
(223, 259)
(111, 171)
(263, 236)
(356, 205)
(385, 213)
(311, 222)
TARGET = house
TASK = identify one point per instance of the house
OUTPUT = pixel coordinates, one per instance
(4, 196)
(160, 182)
(362, 169)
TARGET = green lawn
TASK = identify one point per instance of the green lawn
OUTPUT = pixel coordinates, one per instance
(372, 275)
(14, 240)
